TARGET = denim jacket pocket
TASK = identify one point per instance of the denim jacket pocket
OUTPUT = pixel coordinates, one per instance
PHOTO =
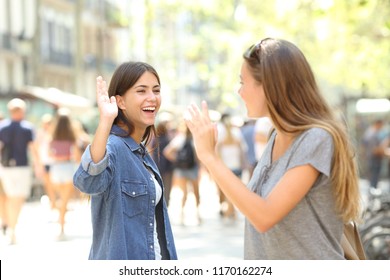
(134, 197)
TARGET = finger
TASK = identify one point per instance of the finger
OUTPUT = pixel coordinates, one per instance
(215, 131)
(189, 124)
(205, 110)
(98, 83)
(189, 116)
(192, 110)
(104, 87)
(113, 100)
(99, 86)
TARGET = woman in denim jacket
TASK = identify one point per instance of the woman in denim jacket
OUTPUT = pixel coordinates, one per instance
(129, 213)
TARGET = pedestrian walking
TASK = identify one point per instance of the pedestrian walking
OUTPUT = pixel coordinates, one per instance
(165, 166)
(263, 127)
(305, 186)
(17, 143)
(231, 148)
(129, 214)
(65, 154)
(42, 142)
(181, 152)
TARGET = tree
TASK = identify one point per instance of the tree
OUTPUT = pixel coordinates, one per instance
(199, 44)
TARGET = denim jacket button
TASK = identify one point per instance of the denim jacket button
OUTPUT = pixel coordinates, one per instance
(151, 224)
(133, 193)
(153, 201)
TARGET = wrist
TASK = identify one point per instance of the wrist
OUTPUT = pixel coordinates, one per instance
(209, 160)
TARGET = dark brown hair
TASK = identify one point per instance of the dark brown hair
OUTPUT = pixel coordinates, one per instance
(125, 77)
(63, 128)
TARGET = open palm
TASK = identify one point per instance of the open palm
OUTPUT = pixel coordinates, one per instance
(108, 108)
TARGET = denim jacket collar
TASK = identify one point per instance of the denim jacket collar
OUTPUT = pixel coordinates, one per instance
(129, 141)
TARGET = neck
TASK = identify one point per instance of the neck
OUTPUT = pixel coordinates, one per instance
(281, 144)
(137, 135)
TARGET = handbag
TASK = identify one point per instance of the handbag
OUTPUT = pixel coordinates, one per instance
(352, 243)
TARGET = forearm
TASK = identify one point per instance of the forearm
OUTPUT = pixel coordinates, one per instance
(249, 203)
(35, 154)
(98, 145)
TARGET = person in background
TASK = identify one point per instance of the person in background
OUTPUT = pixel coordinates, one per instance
(164, 165)
(248, 132)
(263, 128)
(231, 149)
(386, 153)
(83, 140)
(372, 141)
(17, 143)
(65, 154)
(3, 211)
(82, 136)
(42, 143)
(129, 213)
(305, 186)
(187, 175)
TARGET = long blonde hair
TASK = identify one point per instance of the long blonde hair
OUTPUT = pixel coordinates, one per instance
(295, 104)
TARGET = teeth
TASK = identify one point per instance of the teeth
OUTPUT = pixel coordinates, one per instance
(149, 109)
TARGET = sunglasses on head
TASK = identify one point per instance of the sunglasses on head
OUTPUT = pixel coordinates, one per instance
(254, 50)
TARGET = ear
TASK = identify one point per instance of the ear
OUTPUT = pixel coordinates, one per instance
(120, 102)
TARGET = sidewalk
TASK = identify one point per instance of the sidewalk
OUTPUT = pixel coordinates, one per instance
(214, 238)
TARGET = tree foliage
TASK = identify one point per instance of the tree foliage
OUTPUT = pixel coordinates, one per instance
(199, 44)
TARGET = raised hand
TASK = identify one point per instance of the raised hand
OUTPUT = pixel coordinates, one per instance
(203, 130)
(108, 108)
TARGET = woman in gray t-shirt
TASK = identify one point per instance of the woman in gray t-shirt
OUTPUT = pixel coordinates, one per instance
(305, 186)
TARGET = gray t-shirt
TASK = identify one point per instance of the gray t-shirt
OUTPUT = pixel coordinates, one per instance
(312, 230)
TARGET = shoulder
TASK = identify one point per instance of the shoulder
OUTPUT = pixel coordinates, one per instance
(315, 137)
(316, 132)
(27, 125)
(114, 142)
(4, 123)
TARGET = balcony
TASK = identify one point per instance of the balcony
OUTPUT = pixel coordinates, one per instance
(60, 58)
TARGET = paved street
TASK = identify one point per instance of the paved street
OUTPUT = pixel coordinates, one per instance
(213, 238)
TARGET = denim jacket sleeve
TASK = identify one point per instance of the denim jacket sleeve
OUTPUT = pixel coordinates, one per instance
(92, 178)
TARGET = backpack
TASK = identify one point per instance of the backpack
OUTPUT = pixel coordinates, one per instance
(185, 157)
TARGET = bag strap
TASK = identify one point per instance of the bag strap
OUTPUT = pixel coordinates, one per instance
(351, 242)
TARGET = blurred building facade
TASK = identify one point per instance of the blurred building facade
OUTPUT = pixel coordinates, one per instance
(63, 44)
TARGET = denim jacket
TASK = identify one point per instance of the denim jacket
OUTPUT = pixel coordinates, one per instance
(123, 202)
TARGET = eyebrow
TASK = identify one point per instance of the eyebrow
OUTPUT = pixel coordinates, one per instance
(145, 86)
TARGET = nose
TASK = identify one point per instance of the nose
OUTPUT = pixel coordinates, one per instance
(151, 96)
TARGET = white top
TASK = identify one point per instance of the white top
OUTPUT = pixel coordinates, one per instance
(157, 248)
(231, 154)
(263, 127)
